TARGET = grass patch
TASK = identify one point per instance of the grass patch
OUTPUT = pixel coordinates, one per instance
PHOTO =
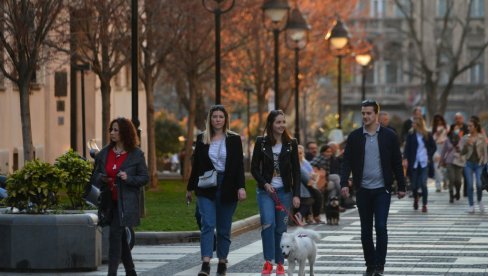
(166, 209)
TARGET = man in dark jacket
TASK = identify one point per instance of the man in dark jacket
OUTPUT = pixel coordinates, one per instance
(373, 181)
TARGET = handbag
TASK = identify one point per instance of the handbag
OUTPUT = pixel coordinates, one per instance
(209, 178)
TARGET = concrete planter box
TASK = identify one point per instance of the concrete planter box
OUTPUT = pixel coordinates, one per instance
(50, 242)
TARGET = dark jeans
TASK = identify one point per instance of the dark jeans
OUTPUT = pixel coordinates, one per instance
(118, 245)
(419, 180)
(373, 203)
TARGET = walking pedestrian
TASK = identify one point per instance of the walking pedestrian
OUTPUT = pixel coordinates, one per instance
(439, 132)
(276, 168)
(218, 150)
(373, 156)
(475, 153)
(312, 150)
(308, 189)
(407, 125)
(454, 163)
(121, 166)
(418, 153)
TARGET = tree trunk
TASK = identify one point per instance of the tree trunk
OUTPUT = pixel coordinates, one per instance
(191, 126)
(26, 120)
(151, 141)
(105, 89)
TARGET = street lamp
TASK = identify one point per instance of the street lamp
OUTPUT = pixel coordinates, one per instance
(218, 7)
(338, 39)
(135, 71)
(297, 30)
(276, 10)
(364, 58)
(82, 68)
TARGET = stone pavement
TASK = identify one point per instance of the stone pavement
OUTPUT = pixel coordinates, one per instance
(445, 241)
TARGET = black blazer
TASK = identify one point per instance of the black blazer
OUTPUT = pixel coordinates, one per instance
(410, 152)
(390, 155)
(234, 169)
(262, 164)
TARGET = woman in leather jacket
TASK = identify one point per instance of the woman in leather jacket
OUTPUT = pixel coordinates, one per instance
(276, 168)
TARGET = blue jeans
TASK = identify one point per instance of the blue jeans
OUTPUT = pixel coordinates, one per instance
(419, 180)
(374, 203)
(273, 223)
(215, 215)
(470, 169)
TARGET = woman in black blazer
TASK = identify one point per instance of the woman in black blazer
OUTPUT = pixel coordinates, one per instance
(418, 158)
(276, 168)
(217, 148)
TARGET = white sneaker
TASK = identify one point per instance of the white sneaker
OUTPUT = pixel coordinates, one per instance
(471, 209)
(482, 207)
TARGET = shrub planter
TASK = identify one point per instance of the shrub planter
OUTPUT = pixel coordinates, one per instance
(50, 242)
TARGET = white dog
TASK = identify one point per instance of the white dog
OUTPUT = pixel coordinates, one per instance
(299, 246)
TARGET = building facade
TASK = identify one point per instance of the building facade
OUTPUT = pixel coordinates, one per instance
(50, 113)
(390, 79)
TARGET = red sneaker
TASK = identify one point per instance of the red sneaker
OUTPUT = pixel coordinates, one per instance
(280, 270)
(267, 269)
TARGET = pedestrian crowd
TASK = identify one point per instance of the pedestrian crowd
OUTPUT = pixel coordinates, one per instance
(296, 182)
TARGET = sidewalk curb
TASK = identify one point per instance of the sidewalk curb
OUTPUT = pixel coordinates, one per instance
(157, 238)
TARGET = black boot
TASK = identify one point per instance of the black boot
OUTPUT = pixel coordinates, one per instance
(221, 269)
(205, 271)
(451, 196)
(131, 272)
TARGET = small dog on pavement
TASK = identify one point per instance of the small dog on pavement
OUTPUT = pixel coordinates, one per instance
(332, 211)
(298, 247)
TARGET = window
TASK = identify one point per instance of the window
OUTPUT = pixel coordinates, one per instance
(391, 71)
(378, 8)
(406, 6)
(477, 9)
(443, 6)
(477, 72)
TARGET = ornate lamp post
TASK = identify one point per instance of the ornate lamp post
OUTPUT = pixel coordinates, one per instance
(297, 31)
(218, 7)
(364, 58)
(338, 39)
(276, 10)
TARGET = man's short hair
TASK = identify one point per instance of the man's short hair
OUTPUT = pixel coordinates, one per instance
(372, 103)
(309, 143)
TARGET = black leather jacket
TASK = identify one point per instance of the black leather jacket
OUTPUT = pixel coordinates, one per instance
(262, 165)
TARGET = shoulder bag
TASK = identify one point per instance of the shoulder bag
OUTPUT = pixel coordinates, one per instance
(209, 178)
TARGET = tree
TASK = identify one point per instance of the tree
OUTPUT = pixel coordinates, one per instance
(167, 131)
(159, 23)
(440, 58)
(25, 28)
(103, 41)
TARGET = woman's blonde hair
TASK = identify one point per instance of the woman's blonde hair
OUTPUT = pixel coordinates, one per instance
(209, 131)
(420, 127)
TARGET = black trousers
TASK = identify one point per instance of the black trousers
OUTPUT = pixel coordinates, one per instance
(118, 246)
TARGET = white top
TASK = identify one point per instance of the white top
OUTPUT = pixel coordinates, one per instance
(218, 158)
(421, 157)
(276, 181)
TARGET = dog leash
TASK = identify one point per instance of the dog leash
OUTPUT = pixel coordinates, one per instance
(280, 207)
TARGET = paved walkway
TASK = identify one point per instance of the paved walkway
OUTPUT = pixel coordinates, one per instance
(444, 241)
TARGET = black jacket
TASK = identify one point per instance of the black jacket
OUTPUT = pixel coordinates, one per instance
(410, 152)
(390, 156)
(262, 164)
(234, 169)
